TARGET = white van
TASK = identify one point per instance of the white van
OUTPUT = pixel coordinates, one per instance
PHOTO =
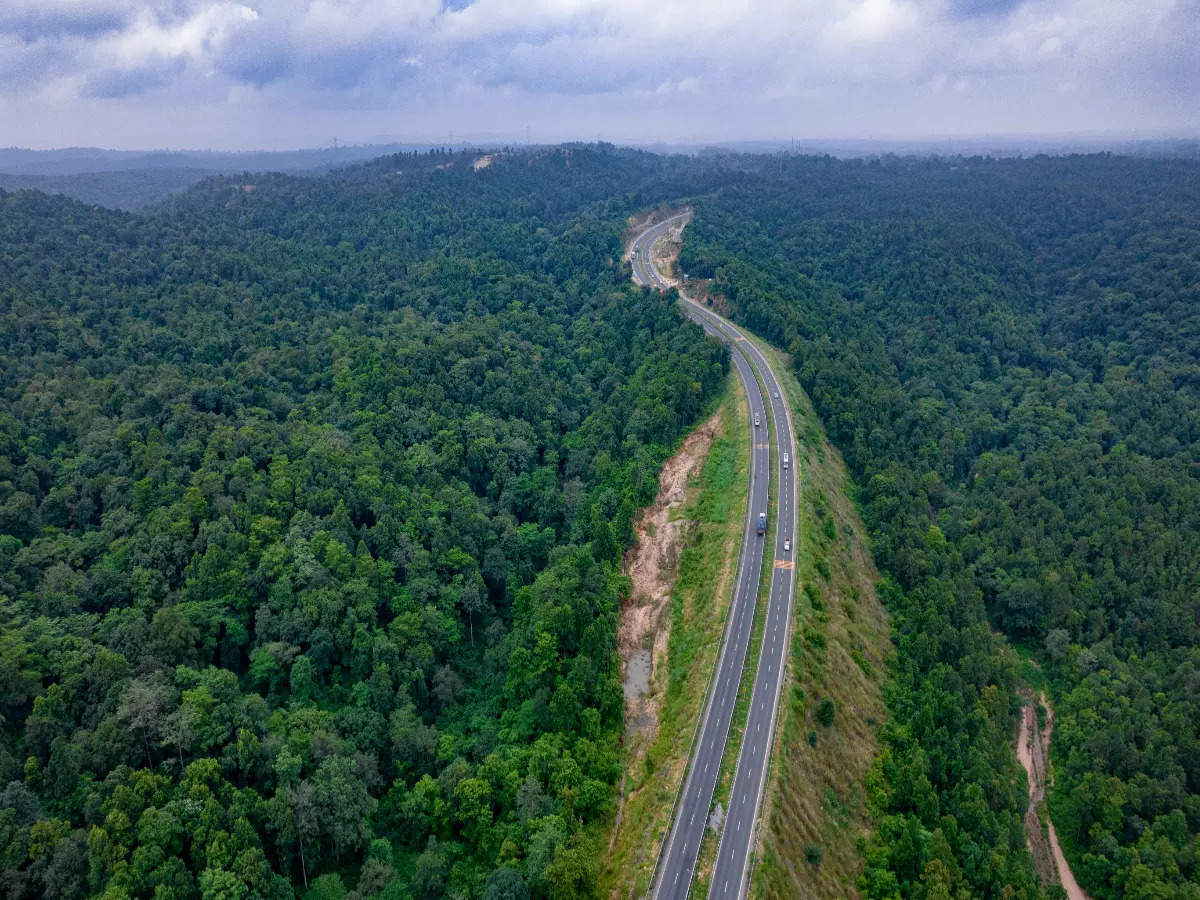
(785, 459)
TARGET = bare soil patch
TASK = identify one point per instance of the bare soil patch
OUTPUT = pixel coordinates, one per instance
(665, 254)
(652, 564)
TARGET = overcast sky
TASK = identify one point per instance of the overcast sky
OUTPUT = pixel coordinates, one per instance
(241, 74)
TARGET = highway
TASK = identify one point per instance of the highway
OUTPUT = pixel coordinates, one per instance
(677, 859)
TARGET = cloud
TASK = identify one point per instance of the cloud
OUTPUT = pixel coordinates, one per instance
(970, 9)
(115, 84)
(195, 36)
(723, 64)
(36, 21)
(149, 51)
(873, 22)
(258, 53)
(565, 64)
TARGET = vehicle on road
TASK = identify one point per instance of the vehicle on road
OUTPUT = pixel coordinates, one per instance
(678, 856)
(787, 545)
(786, 460)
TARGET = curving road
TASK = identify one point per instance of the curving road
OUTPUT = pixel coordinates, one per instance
(677, 860)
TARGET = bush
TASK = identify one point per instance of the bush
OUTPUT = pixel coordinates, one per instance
(814, 854)
(822, 567)
(826, 711)
(813, 593)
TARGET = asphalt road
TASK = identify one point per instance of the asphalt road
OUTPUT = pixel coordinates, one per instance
(677, 861)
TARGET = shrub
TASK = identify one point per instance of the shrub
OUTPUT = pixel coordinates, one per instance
(826, 711)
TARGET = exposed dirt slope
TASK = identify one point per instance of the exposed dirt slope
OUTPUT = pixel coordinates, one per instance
(652, 564)
(665, 251)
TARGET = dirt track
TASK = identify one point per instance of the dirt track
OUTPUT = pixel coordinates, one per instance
(1033, 750)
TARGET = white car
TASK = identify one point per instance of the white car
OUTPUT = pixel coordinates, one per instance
(777, 395)
(787, 545)
(756, 421)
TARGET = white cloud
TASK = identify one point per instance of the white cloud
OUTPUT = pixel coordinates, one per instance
(196, 37)
(873, 22)
(347, 22)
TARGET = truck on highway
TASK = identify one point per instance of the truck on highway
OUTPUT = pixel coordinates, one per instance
(762, 523)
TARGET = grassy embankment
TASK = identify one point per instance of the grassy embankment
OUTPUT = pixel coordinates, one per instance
(715, 510)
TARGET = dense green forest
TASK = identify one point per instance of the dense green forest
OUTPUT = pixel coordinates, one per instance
(1008, 355)
(312, 493)
(313, 490)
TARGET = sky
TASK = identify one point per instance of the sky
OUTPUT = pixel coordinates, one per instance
(267, 74)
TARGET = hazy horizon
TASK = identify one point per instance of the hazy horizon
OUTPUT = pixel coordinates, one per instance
(1090, 141)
